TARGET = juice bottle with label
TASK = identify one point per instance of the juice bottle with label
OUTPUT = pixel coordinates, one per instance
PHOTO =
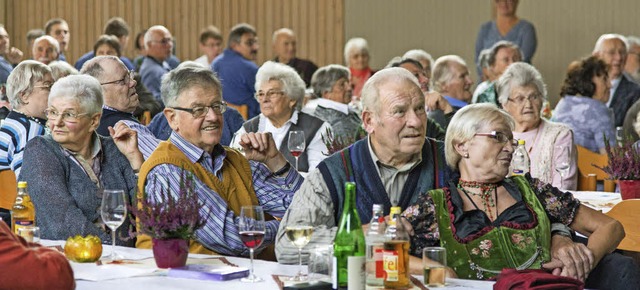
(23, 213)
(395, 256)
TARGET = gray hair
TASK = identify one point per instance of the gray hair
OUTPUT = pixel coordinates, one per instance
(493, 51)
(483, 58)
(22, 79)
(519, 74)
(633, 40)
(370, 95)
(355, 43)
(93, 67)
(466, 123)
(636, 124)
(83, 89)
(148, 36)
(60, 69)
(442, 72)
(281, 31)
(598, 47)
(419, 55)
(292, 84)
(188, 74)
(235, 36)
(325, 77)
(51, 40)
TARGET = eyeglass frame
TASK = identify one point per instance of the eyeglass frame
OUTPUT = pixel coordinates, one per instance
(269, 94)
(164, 41)
(496, 136)
(127, 77)
(65, 115)
(521, 99)
(192, 111)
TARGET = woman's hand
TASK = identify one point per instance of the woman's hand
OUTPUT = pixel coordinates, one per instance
(435, 101)
(570, 259)
(261, 147)
(126, 140)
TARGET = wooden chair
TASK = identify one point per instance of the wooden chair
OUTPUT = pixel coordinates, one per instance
(8, 189)
(586, 161)
(145, 119)
(627, 212)
(242, 109)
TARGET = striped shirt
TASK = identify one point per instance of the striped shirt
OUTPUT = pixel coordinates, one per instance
(17, 129)
(147, 142)
(220, 232)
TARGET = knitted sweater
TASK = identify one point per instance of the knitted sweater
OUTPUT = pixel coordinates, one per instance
(66, 200)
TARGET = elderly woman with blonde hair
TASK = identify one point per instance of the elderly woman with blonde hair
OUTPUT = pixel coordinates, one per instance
(521, 92)
(68, 170)
(28, 88)
(279, 91)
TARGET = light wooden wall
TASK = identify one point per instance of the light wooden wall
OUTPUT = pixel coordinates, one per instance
(566, 30)
(317, 23)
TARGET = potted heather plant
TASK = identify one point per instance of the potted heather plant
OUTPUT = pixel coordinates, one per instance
(170, 220)
(624, 166)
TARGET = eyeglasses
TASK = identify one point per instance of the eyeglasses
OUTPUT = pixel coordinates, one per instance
(46, 86)
(201, 111)
(164, 41)
(66, 116)
(123, 81)
(269, 94)
(521, 99)
(499, 137)
(251, 42)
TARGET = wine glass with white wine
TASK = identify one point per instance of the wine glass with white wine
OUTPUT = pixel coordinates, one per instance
(563, 162)
(299, 231)
(113, 211)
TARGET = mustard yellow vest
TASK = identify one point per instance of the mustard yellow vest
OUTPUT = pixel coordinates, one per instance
(236, 188)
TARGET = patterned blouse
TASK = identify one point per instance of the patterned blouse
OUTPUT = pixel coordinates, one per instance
(561, 207)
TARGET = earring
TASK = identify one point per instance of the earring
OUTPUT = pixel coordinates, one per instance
(466, 155)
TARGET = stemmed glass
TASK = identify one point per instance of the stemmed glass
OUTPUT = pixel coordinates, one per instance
(563, 162)
(251, 228)
(296, 144)
(113, 211)
(299, 231)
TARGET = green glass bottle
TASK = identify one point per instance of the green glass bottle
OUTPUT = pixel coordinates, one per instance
(349, 246)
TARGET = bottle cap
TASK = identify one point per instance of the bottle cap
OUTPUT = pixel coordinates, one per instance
(520, 142)
(395, 210)
(22, 184)
(377, 207)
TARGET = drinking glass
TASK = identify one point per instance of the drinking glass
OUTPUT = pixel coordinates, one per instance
(251, 228)
(30, 233)
(435, 270)
(320, 263)
(113, 211)
(296, 144)
(563, 162)
(299, 231)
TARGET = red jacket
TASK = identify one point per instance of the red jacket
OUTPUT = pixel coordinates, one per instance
(26, 265)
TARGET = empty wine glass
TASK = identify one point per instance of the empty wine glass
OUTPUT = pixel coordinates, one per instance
(113, 211)
(296, 144)
(563, 162)
(251, 228)
(299, 231)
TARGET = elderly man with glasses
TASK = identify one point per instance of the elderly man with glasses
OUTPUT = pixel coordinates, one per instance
(158, 43)
(224, 179)
(120, 97)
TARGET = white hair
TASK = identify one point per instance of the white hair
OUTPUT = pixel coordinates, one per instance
(370, 96)
(292, 84)
(84, 89)
(633, 40)
(148, 36)
(442, 72)
(419, 55)
(51, 40)
(355, 43)
(598, 47)
(519, 74)
(281, 31)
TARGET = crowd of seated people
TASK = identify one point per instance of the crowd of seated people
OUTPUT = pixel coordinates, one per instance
(410, 135)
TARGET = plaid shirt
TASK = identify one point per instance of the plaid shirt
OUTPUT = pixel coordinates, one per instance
(220, 232)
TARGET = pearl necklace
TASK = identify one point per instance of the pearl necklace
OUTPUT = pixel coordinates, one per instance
(46, 129)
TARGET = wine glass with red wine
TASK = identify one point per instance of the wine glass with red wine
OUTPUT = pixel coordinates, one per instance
(296, 144)
(251, 228)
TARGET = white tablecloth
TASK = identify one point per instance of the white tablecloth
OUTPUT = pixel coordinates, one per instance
(262, 269)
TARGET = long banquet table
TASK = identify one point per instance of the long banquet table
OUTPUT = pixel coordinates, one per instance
(153, 278)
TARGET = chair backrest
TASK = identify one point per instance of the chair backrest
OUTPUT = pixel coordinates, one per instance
(242, 109)
(8, 189)
(627, 212)
(586, 160)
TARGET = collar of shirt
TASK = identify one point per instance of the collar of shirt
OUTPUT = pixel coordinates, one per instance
(614, 86)
(96, 157)
(278, 134)
(111, 109)
(331, 104)
(197, 154)
(379, 163)
(96, 147)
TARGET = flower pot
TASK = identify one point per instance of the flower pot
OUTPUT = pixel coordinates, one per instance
(171, 253)
(629, 189)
